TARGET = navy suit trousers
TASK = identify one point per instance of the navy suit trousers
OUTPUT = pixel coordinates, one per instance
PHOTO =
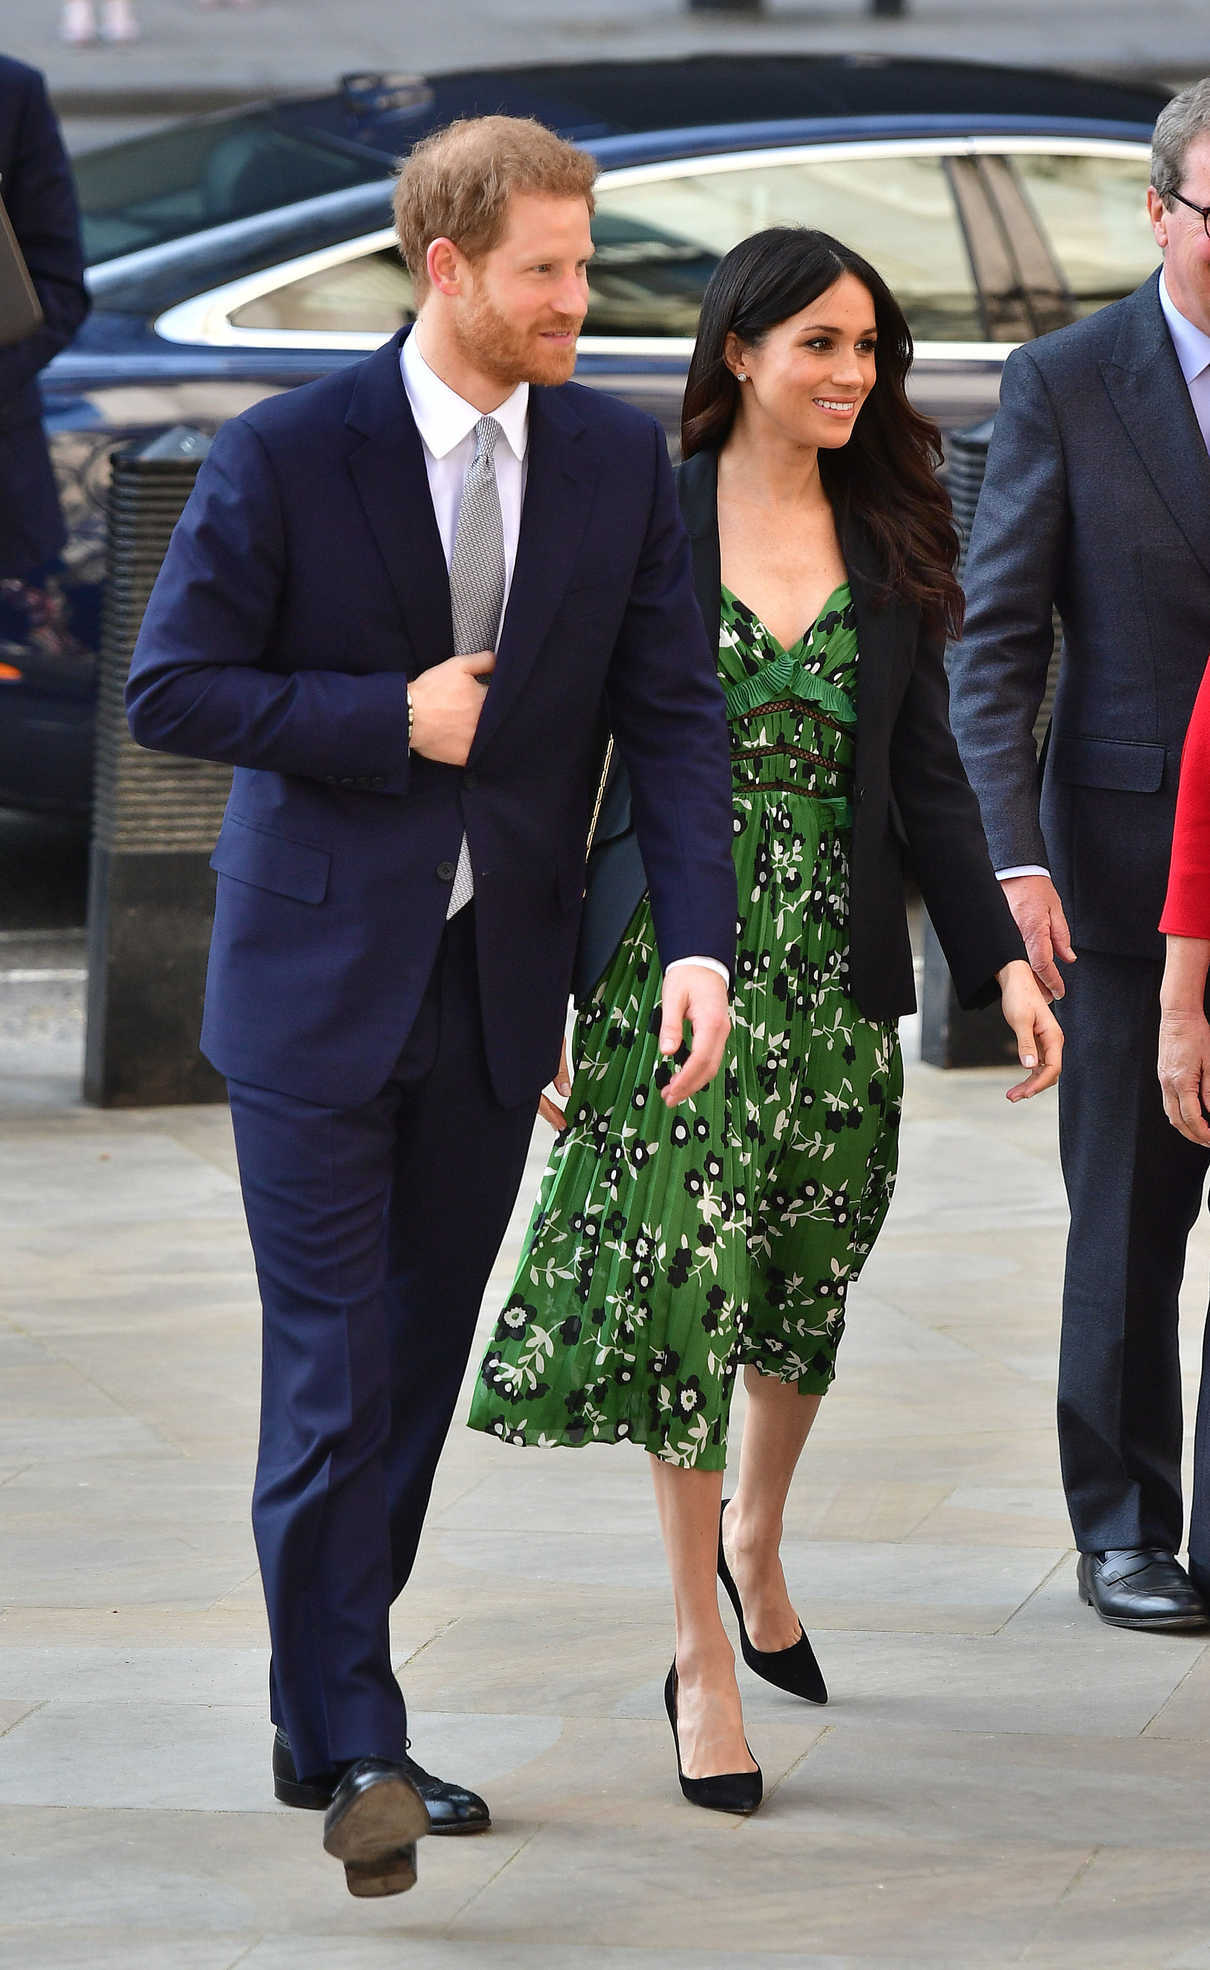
(374, 1229)
(1135, 1188)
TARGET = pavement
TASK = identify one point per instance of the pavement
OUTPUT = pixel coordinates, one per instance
(999, 1779)
(192, 56)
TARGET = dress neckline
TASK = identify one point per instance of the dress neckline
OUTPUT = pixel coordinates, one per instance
(788, 649)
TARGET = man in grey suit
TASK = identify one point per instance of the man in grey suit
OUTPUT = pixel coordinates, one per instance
(1097, 503)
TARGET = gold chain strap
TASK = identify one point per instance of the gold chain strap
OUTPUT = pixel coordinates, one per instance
(597, 804)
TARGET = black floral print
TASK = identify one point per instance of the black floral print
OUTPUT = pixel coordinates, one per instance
(667, 1249)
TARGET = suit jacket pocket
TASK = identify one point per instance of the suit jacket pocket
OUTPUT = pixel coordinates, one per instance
(273, 862)
(1120, 765)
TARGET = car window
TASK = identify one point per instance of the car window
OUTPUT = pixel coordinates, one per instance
(1093, 212)
(205, 173)
(371, 294)
(658, 239)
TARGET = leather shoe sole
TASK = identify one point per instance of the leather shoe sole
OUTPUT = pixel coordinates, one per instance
(372, 1825)
(451, 1808)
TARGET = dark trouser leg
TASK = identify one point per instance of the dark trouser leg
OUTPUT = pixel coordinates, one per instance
(459, 1165)
(326, 1203)
(315, 1183)
(1134, 1186)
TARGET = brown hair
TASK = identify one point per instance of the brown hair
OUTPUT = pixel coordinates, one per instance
(885, 477)
(456, 183)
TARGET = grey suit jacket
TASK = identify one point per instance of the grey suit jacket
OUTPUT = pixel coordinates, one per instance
(1097, 503)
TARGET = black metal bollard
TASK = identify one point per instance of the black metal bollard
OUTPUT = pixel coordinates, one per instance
(155, 819)
(950, 1037)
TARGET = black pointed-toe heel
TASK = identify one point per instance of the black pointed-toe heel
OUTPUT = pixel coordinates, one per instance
(795, 1669)
(723, 1792)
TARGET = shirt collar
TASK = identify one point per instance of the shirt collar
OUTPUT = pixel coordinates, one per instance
(444, 419)
(1191, 343)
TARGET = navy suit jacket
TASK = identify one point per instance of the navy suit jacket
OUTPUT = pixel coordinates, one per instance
(303, 583)
(1096, 502)
(41, 203)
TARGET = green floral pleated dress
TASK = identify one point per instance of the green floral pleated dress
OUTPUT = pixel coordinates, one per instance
(670, 1246)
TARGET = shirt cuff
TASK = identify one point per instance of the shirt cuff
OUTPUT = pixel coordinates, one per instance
(711, 964)
(1026, 869)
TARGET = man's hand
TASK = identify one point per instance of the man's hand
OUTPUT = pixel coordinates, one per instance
(695, 993)
(1184, 1071)
(1038, 914)
(1025, 1006)
(446, 702)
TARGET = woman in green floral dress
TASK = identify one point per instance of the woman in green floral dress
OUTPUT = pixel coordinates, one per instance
(670, 1247)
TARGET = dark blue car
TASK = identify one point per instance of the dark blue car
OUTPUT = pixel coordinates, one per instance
(242, 253)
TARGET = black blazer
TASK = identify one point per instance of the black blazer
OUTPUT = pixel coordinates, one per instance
(36, 183)
(912, 803)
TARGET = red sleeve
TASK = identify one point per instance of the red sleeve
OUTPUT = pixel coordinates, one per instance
(1187, 905)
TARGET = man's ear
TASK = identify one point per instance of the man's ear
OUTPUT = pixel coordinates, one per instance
(1157, 212)
(445, 265)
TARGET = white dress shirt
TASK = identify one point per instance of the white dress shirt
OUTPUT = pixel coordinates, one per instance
(1192, 346)
(446, 423)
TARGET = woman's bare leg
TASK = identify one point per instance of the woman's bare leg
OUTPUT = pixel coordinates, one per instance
(776, 1427)
(710, 1719)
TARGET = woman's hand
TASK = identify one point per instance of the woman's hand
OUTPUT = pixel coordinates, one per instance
(1184, 1071)
(1039, 1035)
(1184, 1063)
(557, 1117)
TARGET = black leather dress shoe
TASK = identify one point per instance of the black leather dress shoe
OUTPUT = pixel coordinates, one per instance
(451, 1808)
(1140, 1587)
(372, 1825)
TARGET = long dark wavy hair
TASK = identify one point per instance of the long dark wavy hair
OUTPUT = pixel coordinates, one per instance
(885, 477)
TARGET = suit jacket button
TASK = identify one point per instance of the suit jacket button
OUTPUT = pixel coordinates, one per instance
(470, 780)
(447, 871)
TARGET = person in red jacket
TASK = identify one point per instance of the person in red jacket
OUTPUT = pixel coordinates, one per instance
(1184, 1059)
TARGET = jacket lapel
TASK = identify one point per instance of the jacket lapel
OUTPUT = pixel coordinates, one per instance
(879, 640)
(1149, 393)
(697, 490)
(388, 471)
(560, 480)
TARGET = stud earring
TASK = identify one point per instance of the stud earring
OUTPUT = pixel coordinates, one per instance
(741, 376)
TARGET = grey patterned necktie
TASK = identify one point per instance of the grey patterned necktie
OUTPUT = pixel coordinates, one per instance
(476, 587)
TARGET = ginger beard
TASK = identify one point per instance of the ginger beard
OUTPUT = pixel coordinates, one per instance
(511, 352)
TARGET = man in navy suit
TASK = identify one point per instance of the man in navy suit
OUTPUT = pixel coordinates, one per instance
(400, 874)
(35, 182)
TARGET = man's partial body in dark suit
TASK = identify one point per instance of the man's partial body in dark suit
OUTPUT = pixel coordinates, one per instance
(1097, 503)
(35, 182)
(385, 1045)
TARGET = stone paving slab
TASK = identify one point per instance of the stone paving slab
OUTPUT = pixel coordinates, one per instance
(999, 1779)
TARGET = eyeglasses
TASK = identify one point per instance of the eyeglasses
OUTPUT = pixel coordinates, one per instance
(1203, 211)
